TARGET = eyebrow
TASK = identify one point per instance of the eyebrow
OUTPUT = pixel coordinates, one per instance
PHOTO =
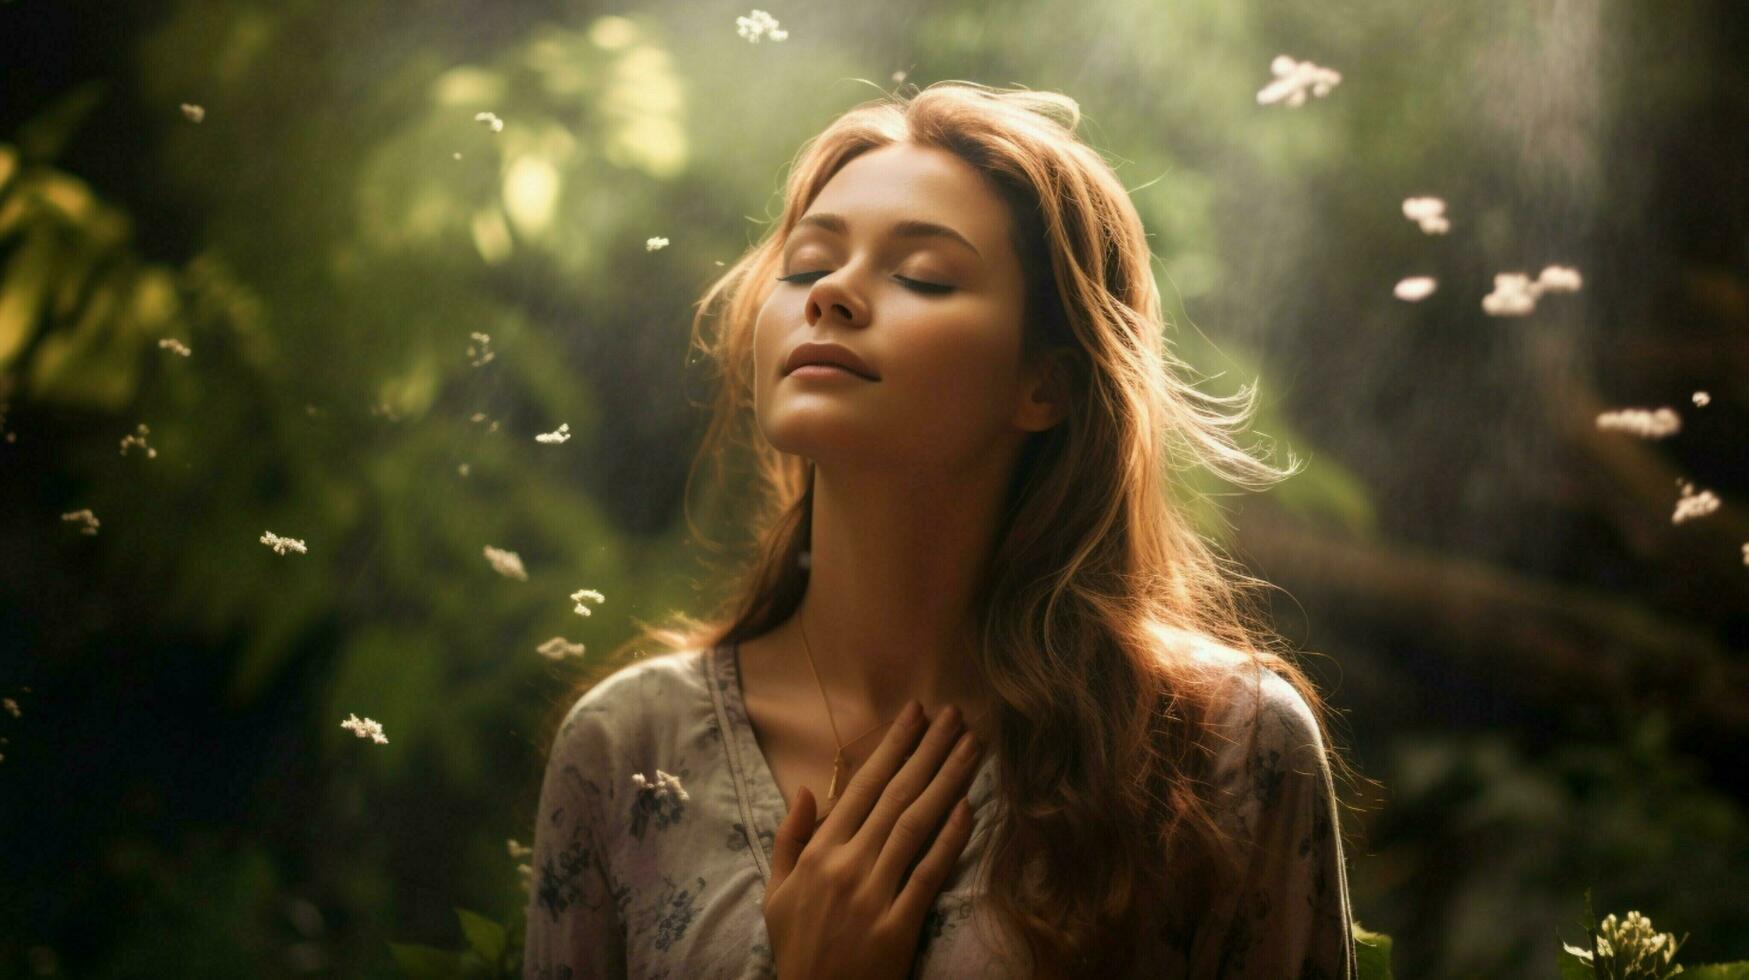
(901, 229)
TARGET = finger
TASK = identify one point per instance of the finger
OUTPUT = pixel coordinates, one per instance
(851, 806)
(909, 785)
(932, 872)
(792, 836)
(920, 820)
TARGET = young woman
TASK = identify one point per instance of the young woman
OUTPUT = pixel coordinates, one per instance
(970, 583)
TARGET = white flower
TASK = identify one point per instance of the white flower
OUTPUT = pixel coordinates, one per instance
(193, 113)
(1416, 288)
(140, 441)
(462, 469)
(582, 594)
(663, 784)
(1428, 212)
(1647, 424)
(1558, 279)
(492, 122)
(1701, 398)
(365, 728)
(506, 563)
(1514, 295)
(1293, 79)
(517, 851)
(11, 707)
(280, 545)
(559, 435)
(652, 244)
(759, 24)
(174, 345)
(482, 355)
(558, 648)
(84, 518)
(1692, 505)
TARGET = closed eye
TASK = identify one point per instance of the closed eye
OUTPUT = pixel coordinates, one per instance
(928, 288)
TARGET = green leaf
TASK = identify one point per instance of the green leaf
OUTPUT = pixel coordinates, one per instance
(1372, 952)
(485, 936)
(1574, 967)
(1718, 971)
(426, 962)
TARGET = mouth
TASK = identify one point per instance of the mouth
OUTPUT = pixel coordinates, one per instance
(825, 371)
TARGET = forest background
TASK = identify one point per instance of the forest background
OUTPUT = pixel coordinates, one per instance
(1540, 664)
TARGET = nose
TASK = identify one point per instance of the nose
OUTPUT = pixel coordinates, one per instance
(829, 294)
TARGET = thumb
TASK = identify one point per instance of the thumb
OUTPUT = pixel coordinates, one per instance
(792, 836)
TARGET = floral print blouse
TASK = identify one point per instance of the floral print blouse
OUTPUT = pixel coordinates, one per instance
(658, 811)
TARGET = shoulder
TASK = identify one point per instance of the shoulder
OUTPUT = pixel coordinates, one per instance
(1262, 716)
(622, 709)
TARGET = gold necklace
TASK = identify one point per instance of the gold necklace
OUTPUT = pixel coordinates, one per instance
(838, 759)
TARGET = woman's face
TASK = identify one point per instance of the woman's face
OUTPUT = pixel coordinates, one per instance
(950, 384)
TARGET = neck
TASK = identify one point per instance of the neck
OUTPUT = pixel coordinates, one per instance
(893, 570)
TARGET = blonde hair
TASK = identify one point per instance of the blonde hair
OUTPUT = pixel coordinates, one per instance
(1103, 601)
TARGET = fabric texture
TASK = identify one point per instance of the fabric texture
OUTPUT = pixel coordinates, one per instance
(658, 813)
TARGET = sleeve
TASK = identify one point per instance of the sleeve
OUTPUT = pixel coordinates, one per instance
(576, 909)
(1288, 913)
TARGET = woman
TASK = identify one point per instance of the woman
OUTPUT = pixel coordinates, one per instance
(970, 511)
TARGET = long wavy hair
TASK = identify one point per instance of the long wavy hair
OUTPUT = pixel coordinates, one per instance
(1103, 601)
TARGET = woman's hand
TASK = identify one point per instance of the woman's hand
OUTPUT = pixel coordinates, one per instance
(839, 904)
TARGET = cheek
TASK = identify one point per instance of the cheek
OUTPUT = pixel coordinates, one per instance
(966, 366)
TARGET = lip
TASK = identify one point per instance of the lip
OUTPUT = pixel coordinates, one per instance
(835, 355)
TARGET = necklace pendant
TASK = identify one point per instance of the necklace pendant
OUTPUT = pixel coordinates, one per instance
(837, 771)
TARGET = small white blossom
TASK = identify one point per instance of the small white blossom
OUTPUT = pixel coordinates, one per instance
(1701, 399)
(1630, 948)
(517, 851)
(1416, 288)
(582, 594)
(138, 440)
(1293, 79)
(559, 435)
(1514, 295)
(490, 120)
(663, 784)
(462, 469)
(652, 244)
(193, 113)
(174, 345)
(506, 563)
(759, 24)
(11, 707)
(483, 355)
(1428, 212)
(281, 545)
(1655, 424)
(84, 518)
(558, 648)
(1558, 279)
(365, 728)
(1693, 505)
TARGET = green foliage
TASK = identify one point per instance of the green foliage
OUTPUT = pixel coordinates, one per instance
(1372, 952)
(493, 952)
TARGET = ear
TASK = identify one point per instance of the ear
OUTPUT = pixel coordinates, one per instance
(1046, 392)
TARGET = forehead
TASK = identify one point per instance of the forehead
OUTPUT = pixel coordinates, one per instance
(905, 181)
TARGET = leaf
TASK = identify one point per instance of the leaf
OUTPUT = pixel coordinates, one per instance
(1718, 971)
(485, 936)
(1372, 953)
(1575, 967)
(426, 962)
